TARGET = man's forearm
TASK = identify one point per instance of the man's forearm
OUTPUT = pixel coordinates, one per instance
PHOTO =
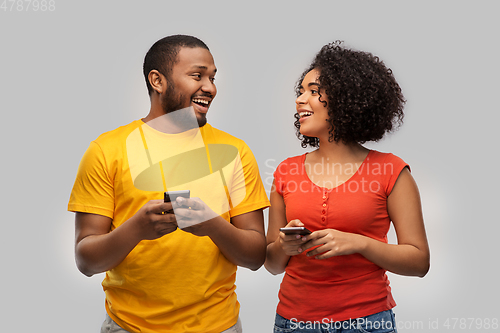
(98, 250)
(99, 253)
(242, 247)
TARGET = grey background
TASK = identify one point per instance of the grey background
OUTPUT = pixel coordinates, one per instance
(70, 74)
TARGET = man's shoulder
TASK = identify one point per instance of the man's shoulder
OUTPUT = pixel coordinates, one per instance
(215, 135)
(120, 133)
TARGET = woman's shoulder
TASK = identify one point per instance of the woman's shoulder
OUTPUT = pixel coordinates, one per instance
(378, 156)
(293, 160)
(391, 164)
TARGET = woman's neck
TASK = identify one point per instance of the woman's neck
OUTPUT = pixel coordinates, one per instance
(340, 152)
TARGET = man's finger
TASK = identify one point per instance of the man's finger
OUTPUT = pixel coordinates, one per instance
(189, 203)
(184, 212)
(163, 207)
(168, 218)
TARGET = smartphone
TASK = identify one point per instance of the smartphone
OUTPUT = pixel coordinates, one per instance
(296, 231)
(172, 195)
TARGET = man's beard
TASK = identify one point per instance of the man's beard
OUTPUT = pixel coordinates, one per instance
(173, 102)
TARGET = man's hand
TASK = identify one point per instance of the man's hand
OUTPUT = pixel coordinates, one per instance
(242, 241)
(152, 220)
(98, 250)
(191, 215)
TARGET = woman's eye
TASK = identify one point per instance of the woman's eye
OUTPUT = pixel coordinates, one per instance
(314, 92)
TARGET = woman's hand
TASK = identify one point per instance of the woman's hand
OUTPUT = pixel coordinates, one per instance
(292, 244)
(331, 242)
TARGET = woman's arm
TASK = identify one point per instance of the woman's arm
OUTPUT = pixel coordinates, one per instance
(280, 246)
(410, 256)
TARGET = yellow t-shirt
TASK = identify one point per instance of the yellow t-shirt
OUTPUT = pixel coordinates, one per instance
(179, 282)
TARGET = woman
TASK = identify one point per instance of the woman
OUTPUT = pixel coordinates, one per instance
(347, 195)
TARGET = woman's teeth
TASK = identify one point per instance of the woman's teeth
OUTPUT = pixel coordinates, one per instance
(305, 114)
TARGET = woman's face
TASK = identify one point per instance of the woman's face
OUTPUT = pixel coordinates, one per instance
(313, 112)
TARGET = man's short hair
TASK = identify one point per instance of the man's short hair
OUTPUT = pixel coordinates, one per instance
(163, 55)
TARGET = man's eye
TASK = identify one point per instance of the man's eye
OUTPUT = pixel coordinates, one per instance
(197, 76)
(212, 79)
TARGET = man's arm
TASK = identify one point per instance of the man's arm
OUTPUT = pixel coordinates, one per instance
(242, 241)
(97, 249)
(249, 249)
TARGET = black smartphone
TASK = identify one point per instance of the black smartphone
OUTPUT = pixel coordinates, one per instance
(172, 195)
(296, 231)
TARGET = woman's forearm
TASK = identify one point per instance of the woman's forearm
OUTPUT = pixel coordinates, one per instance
(403, 259)
(276, 259)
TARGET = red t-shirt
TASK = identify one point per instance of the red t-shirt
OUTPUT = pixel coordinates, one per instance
(341, 287)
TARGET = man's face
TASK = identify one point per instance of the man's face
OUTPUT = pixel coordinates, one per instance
(191, 83)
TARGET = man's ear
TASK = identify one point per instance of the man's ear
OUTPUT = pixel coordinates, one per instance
(157, 81)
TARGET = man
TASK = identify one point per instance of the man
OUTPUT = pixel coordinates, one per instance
(170, 271)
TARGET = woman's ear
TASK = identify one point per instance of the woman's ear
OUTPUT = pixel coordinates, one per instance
(157, 81)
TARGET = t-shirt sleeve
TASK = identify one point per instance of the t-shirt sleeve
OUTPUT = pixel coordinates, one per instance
(93, 188)
(248, 177)
(396, 166)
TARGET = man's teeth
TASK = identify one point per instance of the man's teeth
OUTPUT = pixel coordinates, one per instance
(305, 114)
(201, 101)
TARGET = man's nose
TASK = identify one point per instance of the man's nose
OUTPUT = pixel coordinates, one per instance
(209, 87)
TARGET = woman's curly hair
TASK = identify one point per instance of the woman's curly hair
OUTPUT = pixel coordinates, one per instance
(364, 99)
